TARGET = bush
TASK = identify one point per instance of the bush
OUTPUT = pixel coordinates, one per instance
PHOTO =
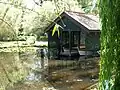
(22, 38)
(43, 38)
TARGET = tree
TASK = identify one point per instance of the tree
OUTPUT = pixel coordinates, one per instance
(31, 16)
(110, 45)
(89, 6)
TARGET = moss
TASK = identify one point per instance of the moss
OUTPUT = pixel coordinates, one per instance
(110, 45)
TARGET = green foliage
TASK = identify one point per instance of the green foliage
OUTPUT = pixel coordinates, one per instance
(22, 38)
(89, 6)
(43, 38)
(110, 45)
(6, 34)
(12, 70)
(31, 17)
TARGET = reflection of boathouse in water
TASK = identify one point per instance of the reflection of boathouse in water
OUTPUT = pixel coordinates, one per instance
(79, 35)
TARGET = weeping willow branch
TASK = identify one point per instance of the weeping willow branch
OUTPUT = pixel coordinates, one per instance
(5, 13)
(110, 45)
(7, 24)
(1, 64)
(19, 6)
(13, 32)
(38, 3)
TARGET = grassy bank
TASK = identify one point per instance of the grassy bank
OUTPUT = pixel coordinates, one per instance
(20, 46)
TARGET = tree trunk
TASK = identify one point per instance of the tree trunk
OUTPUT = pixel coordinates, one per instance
(110, 45)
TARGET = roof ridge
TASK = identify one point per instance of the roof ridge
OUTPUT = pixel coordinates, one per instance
(79, 18)
(83, 15)
(75, 12)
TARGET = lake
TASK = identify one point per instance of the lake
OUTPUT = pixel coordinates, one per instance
(27, 70)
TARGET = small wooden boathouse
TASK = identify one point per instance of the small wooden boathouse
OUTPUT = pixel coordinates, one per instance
(79, 35)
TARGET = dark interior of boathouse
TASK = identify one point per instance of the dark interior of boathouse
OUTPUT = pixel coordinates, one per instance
(79, 35)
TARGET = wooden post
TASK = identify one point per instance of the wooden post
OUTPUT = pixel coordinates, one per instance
(72, 38)
(85, 47)
(61, 40)
(70, 43)
(60, 43)
(49, 45)
(79, 37)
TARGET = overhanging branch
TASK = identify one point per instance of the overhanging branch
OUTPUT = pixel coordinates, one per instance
(7, 24)
(21, 7)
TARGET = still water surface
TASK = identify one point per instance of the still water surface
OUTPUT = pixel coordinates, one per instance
(28, 71)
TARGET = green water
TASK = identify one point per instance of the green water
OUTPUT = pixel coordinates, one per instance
(28, 71)
(19, 71)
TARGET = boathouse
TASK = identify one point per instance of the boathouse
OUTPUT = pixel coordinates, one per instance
(79, 34)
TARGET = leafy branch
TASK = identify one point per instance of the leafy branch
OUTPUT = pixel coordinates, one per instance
(20, 7)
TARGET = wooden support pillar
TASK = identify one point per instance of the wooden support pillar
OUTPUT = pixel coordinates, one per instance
(61, 40)
(72, 38)
(66, 36)
(79, 38)
(69, 43)
(49, 44)
(60, 43)
(85, 47)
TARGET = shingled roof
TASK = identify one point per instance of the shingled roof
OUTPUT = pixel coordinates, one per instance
(88, 21)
